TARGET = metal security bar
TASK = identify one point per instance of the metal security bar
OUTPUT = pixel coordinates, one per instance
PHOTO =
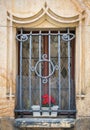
(40, 67)
(59, 66)
(45, 78)
(30, 52)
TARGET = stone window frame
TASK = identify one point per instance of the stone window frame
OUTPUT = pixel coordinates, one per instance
(76, 22)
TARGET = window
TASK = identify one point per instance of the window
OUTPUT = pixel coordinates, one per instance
(46, 70)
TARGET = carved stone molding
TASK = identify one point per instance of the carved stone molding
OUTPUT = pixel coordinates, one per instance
(47, 14)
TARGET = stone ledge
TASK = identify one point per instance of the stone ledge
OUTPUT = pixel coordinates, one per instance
(44, 122)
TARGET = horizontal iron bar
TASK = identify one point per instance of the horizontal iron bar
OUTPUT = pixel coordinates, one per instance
(38, 34)
(45, 110)
(37, 58)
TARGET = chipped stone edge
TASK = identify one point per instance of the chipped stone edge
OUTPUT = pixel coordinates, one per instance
(44, 122)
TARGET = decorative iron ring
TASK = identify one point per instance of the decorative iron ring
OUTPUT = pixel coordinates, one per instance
(66, 37)
(22, 37)
(45, 60)
(44, 81)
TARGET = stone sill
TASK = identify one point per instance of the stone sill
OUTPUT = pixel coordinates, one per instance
(44, 122)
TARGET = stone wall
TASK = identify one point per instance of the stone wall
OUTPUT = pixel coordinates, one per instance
(6, 107)
(44, 14)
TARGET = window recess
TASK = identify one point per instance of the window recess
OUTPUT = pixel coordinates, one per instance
(46, 72)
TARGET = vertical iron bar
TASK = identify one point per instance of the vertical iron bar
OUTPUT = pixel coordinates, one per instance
(17, 91)
(69, 70)
(21, 69)
(59, 65)
(40, 67)
(49, 69)
(30, 64)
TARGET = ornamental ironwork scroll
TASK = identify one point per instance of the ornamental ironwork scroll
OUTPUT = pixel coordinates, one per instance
(24, 37)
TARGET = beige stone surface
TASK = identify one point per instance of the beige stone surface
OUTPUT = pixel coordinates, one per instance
(44, 14)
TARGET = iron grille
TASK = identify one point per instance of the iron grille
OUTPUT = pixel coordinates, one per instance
(45, 68)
